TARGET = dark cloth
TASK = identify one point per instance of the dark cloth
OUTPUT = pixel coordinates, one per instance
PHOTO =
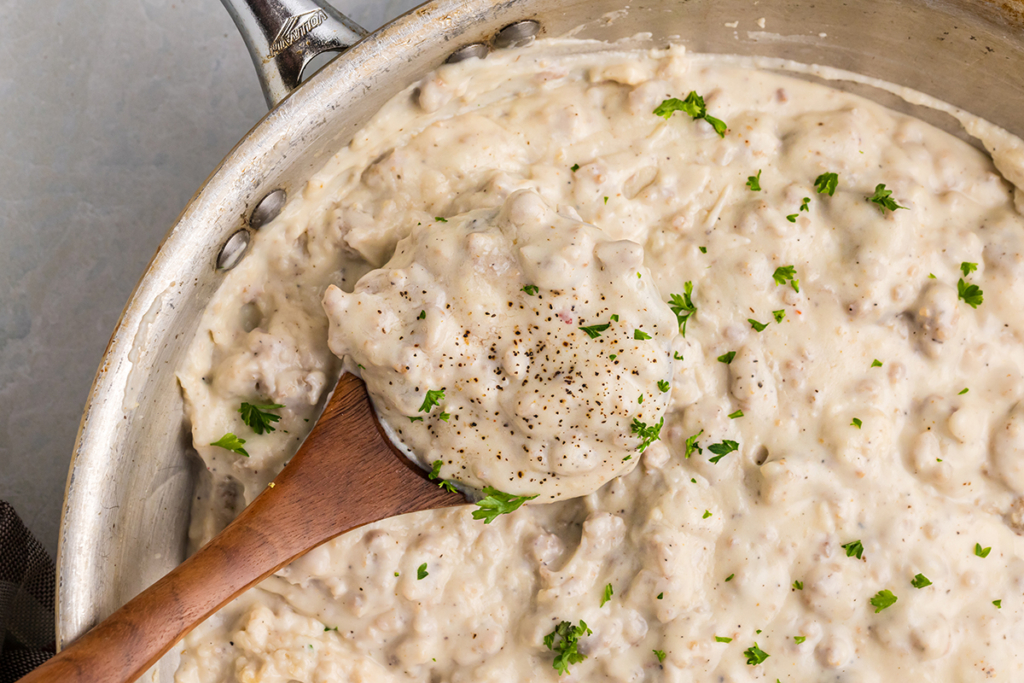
(26, 599)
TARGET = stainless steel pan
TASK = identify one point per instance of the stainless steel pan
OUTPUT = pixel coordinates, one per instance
(129, 489)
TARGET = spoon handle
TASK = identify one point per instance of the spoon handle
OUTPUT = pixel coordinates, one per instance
(345, 475)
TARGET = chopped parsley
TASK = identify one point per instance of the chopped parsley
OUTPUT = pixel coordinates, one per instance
(606, 202)
(612, 356)
(981, 552)
(594, 331)
(574, 168)
(738, 413)
(422, 315)
(663, 385)
(756, 325)
(435, 474)
(722, 449)
(856, 423)
(703, 250)
(433, 398)
(257, 417)
(683, 306)
(730, 578)
(920, 581)
(805, 204)
(963, 391)
(798, 585)
(640, 399)
(648, 435)
(707, 513)
(415, 419)
(799, 639)
(780, 315)
(784, 274)
(754, 182)
(440, 220)
(564, 642)
(727, 357)
(445, 416)
(692, 105)
(678, 356)
(531, 290)
(608, 592)
(692, 445)
(968, 268)
(792, 217)
(421, 572)
(755, 655)
(661, 596)
(876, 363)
(722, 639)
(883, 198)
(827, 183)
(883, 598)
(998, 604)
(971, 294)
(496, 503)
(640, 334)
(232, 443)
(614, 317)
(660, 654)
(853, 548)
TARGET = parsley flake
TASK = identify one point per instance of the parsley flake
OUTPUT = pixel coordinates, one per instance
(784, 274)
(779, 315)
(663, 385)
(435, 475)
(648, 435)
(564, 642)
(692, 105)
(440, 220)
(661, 596)
(998, 604)
(433, 398)
(232, 443)
(606, 200)
(422, 315)
(531, 290)
(883, 198)
(968, 268)
(640, 334)
(445, 416)
(853, 548)
(660, 654)
(707, 513)
(421, 572)
(722, 449)
(497, 503)
(827, 183)
(876, 363)
(727, 357)
(755, 655)
(756, 325)
(981, 552)
(971, 294)
(798, 585)
(678, 356)
(963, 391)
(415, 419)
(883, 598)
(574, 168)
(640, 399)
(612, 356)
(792, 217)
(594, 331)
(722, 639)
(257, 417)
(730, 578)
(805, 204)
(614, 317)
(799, 639)
(920, 581)
(692, 445)
(608, 592)
(703, 250)
(733, 416)
(754, 182)
(856, 423)
(683, 306)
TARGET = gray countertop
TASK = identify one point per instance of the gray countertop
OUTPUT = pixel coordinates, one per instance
(112, 113)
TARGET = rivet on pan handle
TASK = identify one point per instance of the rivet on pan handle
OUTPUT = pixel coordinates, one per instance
(283, 36)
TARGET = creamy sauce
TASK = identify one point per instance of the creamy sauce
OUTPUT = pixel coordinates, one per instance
(850, 477)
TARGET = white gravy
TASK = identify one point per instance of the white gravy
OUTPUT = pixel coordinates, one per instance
(876, 415)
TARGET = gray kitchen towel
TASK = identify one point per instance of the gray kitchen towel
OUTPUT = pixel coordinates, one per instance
(26, 599)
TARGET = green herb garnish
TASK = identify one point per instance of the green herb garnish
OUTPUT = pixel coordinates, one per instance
(531, 289)
(784, 274)
(692, 445)
(232, 443)
(981, 552)
(755, 655)
(594, 331)
(733, 416)
(756, 325)
(883, 198)
(648, 435)
(257, 417)
(727, 357)
(779, 315)
(663, 385)
(564, 642)
(640, 334)
(722, 449)
(856, 423)
(683, 306)
(853, 548)
(433, 398)
(827, 183)
(421, 572)
(608, 592)
(971, 294)
(754, 182)
(883, 599)
(920, 581)
(692, 105)
(497, 503)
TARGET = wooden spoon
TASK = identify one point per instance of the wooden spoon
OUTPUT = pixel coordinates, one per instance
(346, 474)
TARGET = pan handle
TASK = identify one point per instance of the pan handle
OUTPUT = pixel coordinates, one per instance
(283, 36)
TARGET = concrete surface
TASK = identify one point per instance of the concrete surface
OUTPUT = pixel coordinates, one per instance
(112, 113)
